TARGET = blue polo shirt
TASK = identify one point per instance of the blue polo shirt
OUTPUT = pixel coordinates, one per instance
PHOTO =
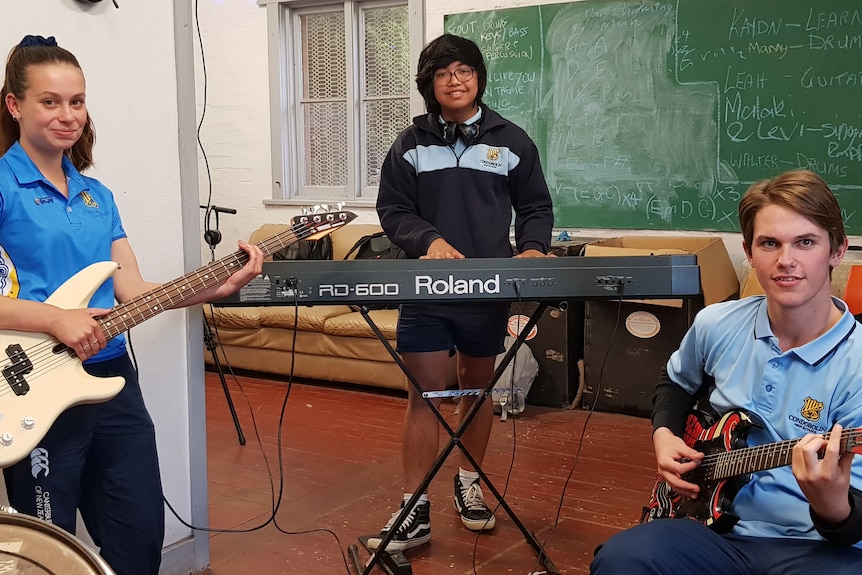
(46, 238)
(790, 393)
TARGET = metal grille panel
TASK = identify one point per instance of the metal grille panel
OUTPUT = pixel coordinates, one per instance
(387, 51)
(331, 130)
(385, 119)
(325, 75)
(326, 151)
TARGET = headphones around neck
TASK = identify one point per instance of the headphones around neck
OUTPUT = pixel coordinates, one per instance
(467, 132)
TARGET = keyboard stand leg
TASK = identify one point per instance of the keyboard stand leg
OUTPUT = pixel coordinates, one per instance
(455, 440)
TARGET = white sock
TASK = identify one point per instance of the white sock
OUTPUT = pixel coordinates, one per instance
(422, 498)
(467, 477)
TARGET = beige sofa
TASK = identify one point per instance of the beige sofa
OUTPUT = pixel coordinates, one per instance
(333, 343)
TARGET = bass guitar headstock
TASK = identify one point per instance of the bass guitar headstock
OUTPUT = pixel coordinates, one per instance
(319, 221)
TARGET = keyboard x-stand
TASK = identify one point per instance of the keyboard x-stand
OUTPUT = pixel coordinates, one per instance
(455, 439)
(546, 281)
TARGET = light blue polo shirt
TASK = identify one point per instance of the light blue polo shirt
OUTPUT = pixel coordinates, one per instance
(803, 390)
(45, 238)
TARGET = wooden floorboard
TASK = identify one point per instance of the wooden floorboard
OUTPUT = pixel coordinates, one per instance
(572, 478)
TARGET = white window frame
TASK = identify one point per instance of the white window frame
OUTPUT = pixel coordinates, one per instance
(285, 78)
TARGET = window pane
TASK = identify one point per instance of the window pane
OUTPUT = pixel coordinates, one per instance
(326, 150)
(353, 83)
(387, 51)
(386, 89)
(385, 118)
(324, 74)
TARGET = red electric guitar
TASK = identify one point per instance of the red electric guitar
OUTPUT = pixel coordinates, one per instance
(724, 469)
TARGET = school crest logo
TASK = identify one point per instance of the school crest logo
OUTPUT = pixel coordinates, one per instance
(811, 409)
(493, 154)
(88, 200)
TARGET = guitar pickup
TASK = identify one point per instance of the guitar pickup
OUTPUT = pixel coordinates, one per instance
(14, 373)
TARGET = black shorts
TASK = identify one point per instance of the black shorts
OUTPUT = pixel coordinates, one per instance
(475, 330)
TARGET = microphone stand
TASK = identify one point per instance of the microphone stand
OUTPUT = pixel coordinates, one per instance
(212, 346)
(212, 238)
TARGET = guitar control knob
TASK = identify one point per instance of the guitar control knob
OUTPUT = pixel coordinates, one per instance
(28, 422)
(6, 439)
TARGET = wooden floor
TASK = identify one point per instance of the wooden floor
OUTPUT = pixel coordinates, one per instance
(572, 479)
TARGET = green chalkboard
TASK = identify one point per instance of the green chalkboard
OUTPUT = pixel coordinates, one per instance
(659, 115)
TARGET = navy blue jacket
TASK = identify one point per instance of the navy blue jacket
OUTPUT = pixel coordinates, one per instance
(428, 192)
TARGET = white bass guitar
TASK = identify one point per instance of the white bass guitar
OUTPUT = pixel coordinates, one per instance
(41, 377)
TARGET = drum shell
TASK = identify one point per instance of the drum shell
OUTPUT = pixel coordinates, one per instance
(31, 546)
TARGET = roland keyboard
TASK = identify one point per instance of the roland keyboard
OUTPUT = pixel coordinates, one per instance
(368, 282)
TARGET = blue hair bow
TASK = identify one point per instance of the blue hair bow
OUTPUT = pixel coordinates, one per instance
(29, 41)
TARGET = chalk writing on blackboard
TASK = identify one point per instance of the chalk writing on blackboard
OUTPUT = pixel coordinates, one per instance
(652, 114)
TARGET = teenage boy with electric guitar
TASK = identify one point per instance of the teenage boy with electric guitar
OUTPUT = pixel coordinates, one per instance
(781, 374)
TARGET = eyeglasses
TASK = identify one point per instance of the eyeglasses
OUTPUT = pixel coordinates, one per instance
(461, 74)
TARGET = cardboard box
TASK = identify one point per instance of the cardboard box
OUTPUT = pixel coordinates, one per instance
(627, 343)
(718, 279)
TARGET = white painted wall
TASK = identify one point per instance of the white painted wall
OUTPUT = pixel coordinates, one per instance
(235, 134)
(235, 129)
(130, 57)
